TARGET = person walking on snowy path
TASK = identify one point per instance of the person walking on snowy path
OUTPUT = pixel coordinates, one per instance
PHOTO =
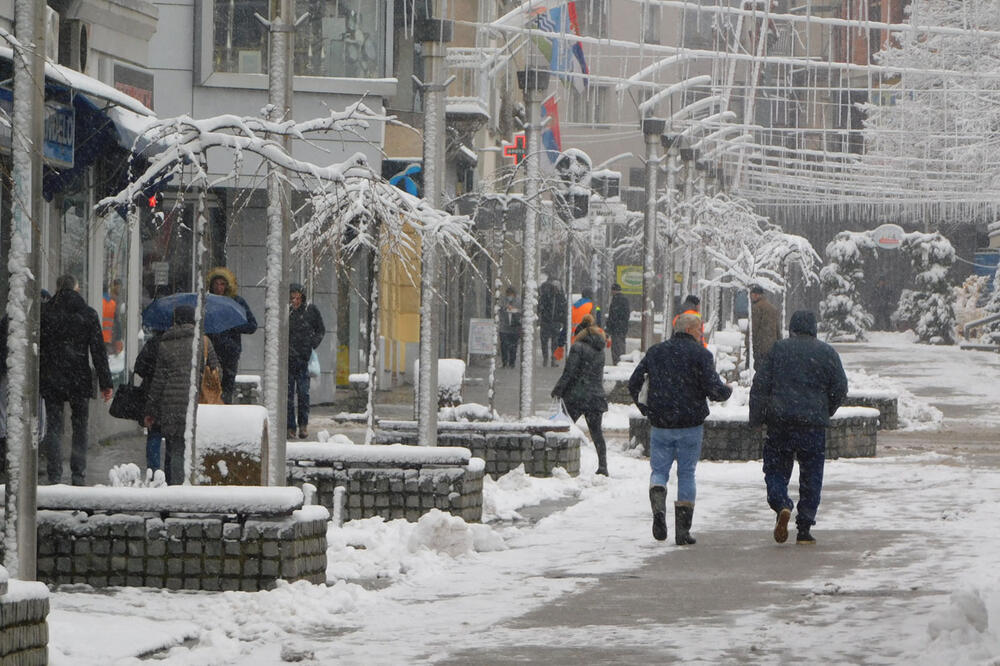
(170, 390)
(551, 317)
(797, 388)
(581, 385)
(510, 328)
(229, 344)
(618, 316)
(681, 376)
(305, 331)
(70, 340)
(766, 329)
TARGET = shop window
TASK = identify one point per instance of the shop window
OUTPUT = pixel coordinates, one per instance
(340, 38)
(588, 106)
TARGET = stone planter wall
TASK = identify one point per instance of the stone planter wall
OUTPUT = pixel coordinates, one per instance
(851, 435)
(391, 486)
(538, 446)
(178, 547)
(887, 406)
(24, 632)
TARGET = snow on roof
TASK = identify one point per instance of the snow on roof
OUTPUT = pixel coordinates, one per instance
(391, 453)
(179, 499)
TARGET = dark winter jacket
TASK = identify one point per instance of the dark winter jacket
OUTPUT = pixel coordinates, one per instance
(551, 306)
(510, 318)
(581, 385)
(801, 382)
(305, 332)
(681, 375)
(167, 397)
(228, 344)
(70, 339)
(618, 315)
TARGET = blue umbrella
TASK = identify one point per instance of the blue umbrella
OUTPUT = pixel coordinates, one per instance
(221, 312)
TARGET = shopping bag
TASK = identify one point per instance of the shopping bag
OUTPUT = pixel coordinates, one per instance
(313, 367)
(210, 392)
(559, 413)
(558, 353)
(128, 402)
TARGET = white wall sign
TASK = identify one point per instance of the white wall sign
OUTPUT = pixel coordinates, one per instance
(481, 339)
(888, 236)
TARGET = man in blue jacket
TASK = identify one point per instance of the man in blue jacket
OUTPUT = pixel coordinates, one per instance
(797, 388)
(681, 375)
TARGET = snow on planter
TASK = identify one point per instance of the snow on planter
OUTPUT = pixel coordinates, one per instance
(451, 376)
(229, 443)
(181, 499)
(24, 606)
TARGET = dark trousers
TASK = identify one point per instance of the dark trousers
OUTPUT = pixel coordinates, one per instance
(617, 346)
(173, 457)
(154, 438)
(298, 384)
(52, 443)
(508, 349)
(782, 447)
(228, 382)
(550, 339)
(594, 425)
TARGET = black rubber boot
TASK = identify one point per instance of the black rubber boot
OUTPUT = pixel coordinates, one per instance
(683, 515)
(658, 503)
(805, 538)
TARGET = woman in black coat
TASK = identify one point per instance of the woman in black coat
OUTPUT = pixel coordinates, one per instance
(581, 385)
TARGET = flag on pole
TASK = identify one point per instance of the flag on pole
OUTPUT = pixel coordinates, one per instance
(565, 55)
(551, 139)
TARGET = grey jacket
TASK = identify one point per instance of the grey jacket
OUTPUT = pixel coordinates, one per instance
(167, 398)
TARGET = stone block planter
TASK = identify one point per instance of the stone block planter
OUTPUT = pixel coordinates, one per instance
(231, 440)
(397, 481)
(177, 537)
(852, 434)
(24, 631)
(885, 402)
(539, 445)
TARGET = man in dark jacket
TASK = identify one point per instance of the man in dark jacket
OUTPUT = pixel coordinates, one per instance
(618, 315)
(305, 332)
(681, 375)
(70, 339)
(551, 317)
(170, 391)
(581, 385)
(229, 344)
(797, 388)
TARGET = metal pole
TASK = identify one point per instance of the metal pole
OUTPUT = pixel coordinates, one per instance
(533, 83)
(434, 34)
(652, 130)
(22, 301)
(279, 97)
(668, 251)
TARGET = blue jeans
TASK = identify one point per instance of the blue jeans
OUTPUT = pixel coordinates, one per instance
(298, 382)
(153, 440)
(681, 444)
(781, 449)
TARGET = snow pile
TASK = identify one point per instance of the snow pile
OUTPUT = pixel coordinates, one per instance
(324, 437)
(515, 490)
(467, 412)
(128, 475)
(231, 428)
(914, 413)
(375, 549)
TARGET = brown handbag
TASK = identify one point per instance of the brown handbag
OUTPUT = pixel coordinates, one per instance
(211, 381)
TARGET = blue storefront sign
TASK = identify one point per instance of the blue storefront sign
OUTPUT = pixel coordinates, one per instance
(60, 130)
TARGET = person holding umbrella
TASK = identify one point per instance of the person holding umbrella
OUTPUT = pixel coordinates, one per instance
(228, 343)
(305, 332)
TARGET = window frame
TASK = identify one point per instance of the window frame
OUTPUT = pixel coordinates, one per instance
(206, 76)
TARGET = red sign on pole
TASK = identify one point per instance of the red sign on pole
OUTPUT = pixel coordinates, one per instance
(517, 150)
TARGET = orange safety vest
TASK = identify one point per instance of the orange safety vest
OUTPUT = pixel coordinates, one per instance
(704, 343)
(108, 318)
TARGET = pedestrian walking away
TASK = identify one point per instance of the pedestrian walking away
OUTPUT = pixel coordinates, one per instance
(585, 305)
(797, 388)
(305, 332)
(70, 340)
(581, 385)
(145, 367)
(681, 379)
(765, 327)
(619, 312)
(551, 317)
(510, 328)
(170, 390)
(229, 344)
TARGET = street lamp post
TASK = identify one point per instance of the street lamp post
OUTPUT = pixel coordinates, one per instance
(669, 143)
(533, 83)
(652, 130)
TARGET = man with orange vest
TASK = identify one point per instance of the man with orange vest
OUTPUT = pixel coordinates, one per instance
(585, 305)
(109, 317)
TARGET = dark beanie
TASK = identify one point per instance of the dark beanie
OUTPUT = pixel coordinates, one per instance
(295, 287)
(803, 322)
(184, 314)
